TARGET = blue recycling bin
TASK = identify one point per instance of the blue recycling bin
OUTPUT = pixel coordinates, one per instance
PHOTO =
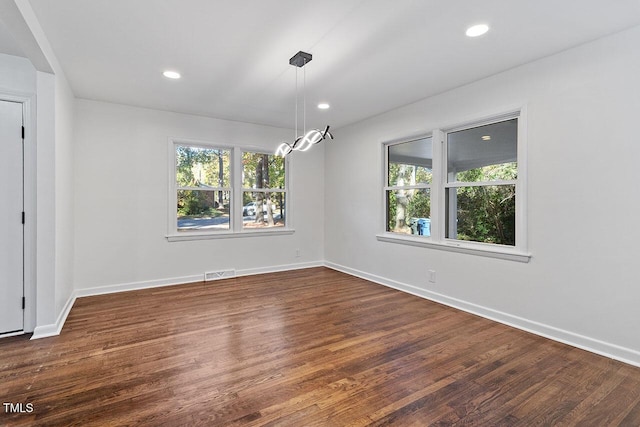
(424, 226)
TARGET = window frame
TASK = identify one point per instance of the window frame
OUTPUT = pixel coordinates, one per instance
(439, 185)
(211, 189)
(244, 189)
(236, 190)
(387, 187)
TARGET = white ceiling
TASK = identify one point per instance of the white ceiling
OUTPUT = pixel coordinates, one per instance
(369, 56)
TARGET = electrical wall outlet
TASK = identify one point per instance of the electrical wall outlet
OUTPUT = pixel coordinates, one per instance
(297, 253)
(432, 276)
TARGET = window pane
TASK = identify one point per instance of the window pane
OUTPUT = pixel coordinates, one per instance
(483, 153)
(202, 167)
(482, 214)
(262, 171)
(198, 210)
(409, 211)
(263, 210)
(410, 162)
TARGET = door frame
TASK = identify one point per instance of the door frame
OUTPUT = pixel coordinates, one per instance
(29, 200)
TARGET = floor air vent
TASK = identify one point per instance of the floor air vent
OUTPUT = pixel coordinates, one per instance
(217, 275)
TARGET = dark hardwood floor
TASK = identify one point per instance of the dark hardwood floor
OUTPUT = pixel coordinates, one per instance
(311, 347)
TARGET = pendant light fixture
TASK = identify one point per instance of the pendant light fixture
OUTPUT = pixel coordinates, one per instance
(308, 138)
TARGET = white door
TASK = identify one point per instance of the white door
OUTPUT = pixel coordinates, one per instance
(11, 218)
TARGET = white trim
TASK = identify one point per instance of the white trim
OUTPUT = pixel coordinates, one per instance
(278, 268)
(203, 189)
(461, 184)
(186, 236)
(385, 183)
(522, 197)
(459, 246)
(499, 115)
(12, 334)
(194, 278)
(437, 191)
(30, 207)
(263, 190)
(408, 187)
(612, 351)
(235, 210)
(54, 329)
(134, 286)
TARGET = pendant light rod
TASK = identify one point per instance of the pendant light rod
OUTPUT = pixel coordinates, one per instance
(295, 135)
(304, 100)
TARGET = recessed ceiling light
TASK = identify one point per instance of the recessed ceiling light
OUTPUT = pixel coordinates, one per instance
(323, 106)
(477, 30)
(486, 138)
(171, 74)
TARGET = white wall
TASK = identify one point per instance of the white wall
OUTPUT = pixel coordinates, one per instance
(64, 184)
(121, 181)
(45, 195)
(17, 75)
(55, 215)
(581, 284)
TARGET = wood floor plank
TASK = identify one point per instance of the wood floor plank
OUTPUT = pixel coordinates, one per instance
(311, 347)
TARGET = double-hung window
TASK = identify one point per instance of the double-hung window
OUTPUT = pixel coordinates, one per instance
(263, 190)
(218, 191)
(408, 187)
(459, 188)
(481, 183)
(203, 187)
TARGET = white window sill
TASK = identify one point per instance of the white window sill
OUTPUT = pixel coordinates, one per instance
(195, 235)
(460, 247)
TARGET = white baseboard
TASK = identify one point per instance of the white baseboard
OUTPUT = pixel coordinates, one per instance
(54, 329)
(277, 268)
(136, 286)
(12, 334)
(592, 345)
